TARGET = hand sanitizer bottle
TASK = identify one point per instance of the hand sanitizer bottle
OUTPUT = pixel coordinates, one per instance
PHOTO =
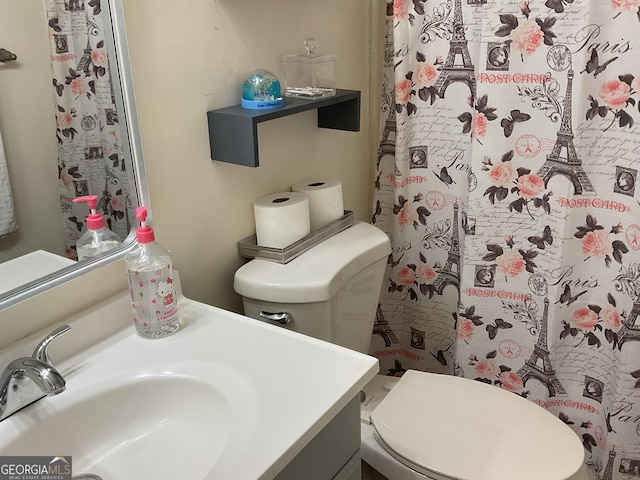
(98, 238)
(153, 294)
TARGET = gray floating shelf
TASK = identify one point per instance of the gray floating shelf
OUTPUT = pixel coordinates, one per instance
(233, 131)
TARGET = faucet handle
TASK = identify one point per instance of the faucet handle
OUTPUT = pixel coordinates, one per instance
(40, 353)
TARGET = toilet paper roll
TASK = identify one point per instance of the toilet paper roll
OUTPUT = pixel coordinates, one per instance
(325, 200)
(281, 219)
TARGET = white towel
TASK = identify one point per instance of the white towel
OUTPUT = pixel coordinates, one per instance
(7, 215)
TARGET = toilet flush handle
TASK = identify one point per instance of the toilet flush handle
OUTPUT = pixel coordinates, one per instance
(283, 318)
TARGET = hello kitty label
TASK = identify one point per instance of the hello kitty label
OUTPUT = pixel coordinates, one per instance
(153, 298)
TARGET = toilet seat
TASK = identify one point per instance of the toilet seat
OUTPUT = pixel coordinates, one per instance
(447, 427)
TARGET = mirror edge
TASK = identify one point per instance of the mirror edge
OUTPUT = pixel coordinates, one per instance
(139, 195)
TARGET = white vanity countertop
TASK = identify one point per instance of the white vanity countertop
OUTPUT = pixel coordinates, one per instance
(281, 388)
(30, 267)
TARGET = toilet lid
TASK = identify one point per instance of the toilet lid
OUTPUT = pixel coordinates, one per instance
(451, 427)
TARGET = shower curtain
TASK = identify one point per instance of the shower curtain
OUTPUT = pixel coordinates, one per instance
(90, 153)
(506, 174)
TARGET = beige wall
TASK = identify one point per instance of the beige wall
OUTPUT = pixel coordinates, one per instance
(27, 120)
(190, 59)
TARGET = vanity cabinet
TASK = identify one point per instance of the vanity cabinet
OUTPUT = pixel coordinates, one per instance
(333, 454)
(233, 131)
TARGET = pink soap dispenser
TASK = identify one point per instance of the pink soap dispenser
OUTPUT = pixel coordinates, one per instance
(98, 238)
(151, 282)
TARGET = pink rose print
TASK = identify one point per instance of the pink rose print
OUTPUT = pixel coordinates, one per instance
(415, 279)
(477, 122)
(625, 5)
(491, 373)
(426, 274)
(596, 244)
(502, 174)
(511, 263)
(586, 322)
(79, 86)
(511, 381)
(71, 253)
(66, 178)
(406, 276)
(486, 368)
(527, 37)
(70, 234)
(425, 75)
(403, 91)
(407, 215)
(616, 96)
(615, 93)
(118, 203)
(419, 81)
(509, 241)
(401, 9)
(530, 185)
(585, 319)
(611, 318)
(99, 57)
(64, 120)
(465, 329)
(480, 124)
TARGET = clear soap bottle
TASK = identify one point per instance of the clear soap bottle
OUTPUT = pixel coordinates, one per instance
(151, 283)
(98, 238)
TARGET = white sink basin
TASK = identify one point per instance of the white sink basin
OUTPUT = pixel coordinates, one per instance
(155, 417)
(225, 397)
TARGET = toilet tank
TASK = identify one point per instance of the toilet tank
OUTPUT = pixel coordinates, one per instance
(329, 292)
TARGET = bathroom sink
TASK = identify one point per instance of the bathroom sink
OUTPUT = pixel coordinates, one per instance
(220, 398)
(154, 417)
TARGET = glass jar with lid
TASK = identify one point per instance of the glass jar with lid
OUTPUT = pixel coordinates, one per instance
(310, 75)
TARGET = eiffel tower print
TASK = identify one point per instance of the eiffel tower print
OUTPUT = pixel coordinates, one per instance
(387, 144)
(569, 166)
(85, 60)
(532, 368)
(608, 470)
(450, 273)
(630, 329)
(450, 70)
(381, 327)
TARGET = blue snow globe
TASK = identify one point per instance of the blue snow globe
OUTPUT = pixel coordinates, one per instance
(261, 91)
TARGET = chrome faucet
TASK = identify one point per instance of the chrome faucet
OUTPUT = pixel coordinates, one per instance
(28, 379)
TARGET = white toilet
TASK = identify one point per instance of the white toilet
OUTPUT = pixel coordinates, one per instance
(420, 426)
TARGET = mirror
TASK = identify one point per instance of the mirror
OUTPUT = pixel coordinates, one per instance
(115, 45)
